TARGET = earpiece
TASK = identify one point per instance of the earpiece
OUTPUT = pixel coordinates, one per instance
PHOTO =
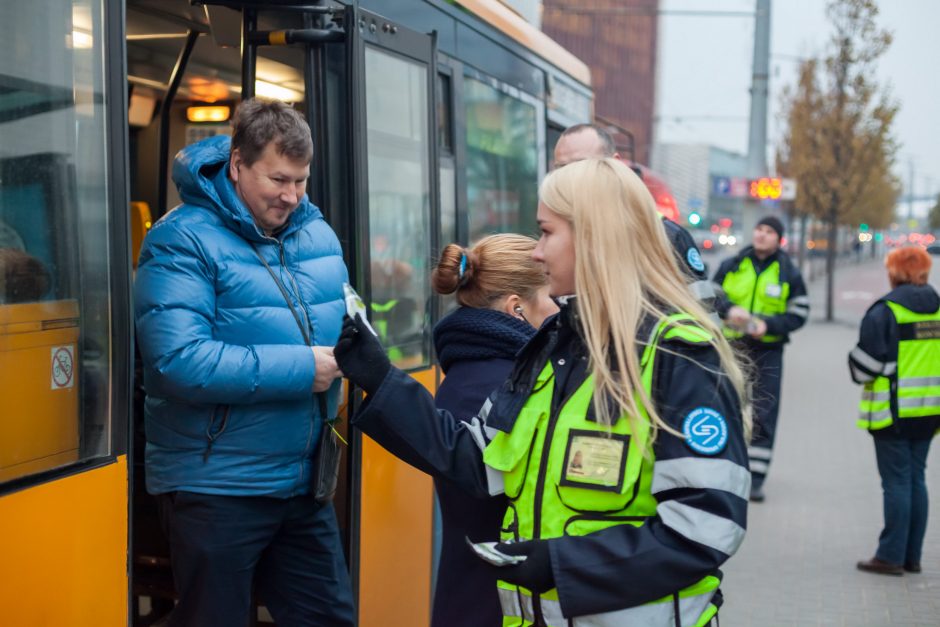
(517, 309)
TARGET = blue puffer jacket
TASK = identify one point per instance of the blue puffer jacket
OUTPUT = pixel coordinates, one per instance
(230, 408)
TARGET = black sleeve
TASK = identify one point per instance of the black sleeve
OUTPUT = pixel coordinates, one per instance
(876, 352)
(701, 513)
(687, 253)
(402, 418)
(797, 311)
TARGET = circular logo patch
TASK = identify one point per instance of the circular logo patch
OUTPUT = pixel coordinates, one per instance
(695, 260)
(705, 431)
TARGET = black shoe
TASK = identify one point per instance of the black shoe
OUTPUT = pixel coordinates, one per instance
(875, 565)
(757, 493)
(912, 567)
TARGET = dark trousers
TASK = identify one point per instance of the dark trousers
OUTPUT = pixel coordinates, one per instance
(768, 372)
(901, 464)
(289, 549)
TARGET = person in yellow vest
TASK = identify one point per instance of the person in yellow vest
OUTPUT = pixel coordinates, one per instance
(764, 301)
(898, 361)
(619, 438)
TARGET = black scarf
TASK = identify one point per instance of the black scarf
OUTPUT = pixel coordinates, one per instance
(473, 334)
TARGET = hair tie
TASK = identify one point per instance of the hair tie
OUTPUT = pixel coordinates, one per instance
(463, 269)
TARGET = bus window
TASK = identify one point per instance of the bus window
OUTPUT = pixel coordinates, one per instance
(399, 204)
(54, 257)
(503, 158)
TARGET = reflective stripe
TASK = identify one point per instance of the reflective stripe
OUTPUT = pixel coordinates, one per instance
(700, 526)
(701, 473)
(870, 395)
(797, 310)
(703, 290)
(918, 382)
(872, 364)
(509, 601)
(759, 452)
(759, 467)
(482, 435)
(860, 375)
(800, 300)
(656, 614)
(920, 401)
(875, 416)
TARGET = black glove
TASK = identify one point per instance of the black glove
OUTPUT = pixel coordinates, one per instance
(360, 355)
(535, 573)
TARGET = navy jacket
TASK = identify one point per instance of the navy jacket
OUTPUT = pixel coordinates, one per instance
(476, 348)
(878, 345)
(228, 375)
(622, 566)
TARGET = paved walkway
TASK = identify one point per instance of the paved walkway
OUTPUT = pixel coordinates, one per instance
(823, 508)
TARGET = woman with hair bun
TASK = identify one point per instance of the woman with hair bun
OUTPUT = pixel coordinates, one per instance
(503, 298)
(898, 361)
(620, 437)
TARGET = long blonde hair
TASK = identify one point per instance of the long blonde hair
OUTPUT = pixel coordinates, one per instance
(625, 272)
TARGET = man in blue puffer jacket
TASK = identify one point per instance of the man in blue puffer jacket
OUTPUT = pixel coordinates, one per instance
(238, 302)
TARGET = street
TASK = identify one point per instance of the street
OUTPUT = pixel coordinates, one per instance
(823, 508)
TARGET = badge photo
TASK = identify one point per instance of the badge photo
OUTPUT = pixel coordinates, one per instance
(595, 460)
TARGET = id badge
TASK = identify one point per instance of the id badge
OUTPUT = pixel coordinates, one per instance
(354, 305)
(595, 460)
(773, 290)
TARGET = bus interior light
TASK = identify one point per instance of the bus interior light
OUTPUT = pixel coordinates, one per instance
(214, 113)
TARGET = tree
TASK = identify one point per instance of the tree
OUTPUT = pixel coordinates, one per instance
(934, 217)
(839, 145)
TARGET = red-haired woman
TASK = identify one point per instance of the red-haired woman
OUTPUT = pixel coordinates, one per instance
(898, 360)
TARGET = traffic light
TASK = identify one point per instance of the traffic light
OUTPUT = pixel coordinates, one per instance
(863, 227)
(878, 237)
(695, 219)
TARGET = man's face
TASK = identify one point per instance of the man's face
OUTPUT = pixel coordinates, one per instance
(271, 187)
(578, 146)
(766, 240)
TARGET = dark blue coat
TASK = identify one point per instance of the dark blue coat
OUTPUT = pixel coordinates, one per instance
(476, 349)
(229, 377)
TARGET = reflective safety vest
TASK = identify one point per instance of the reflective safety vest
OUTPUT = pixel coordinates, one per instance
(913, 390)
(567, 475)
(761, 294)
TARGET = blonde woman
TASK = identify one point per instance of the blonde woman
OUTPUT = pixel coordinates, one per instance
(619, 439)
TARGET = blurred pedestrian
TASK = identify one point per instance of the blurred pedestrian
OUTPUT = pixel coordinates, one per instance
(619, 437)
(898, 361)
(765, 300)
(503, 297)
(239, 299)
(591, 141)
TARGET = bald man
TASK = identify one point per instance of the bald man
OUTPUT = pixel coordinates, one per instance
(589, 141)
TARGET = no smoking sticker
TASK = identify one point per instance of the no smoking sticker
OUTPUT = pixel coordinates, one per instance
(63, 367)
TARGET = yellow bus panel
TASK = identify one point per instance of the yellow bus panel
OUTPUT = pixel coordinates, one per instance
(38, 391)
(64, 548)
(395, 537)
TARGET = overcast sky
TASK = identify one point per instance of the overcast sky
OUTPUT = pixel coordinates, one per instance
(706, 62)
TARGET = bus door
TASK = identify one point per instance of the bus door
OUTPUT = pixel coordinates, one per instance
(394, 186)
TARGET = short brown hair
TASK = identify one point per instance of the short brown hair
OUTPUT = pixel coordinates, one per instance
(257, 123)
(909, 264)
(497, 266)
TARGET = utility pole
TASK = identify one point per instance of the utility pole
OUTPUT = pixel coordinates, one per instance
(757, 133)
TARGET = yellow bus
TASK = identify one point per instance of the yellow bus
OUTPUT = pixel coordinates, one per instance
(432, 122)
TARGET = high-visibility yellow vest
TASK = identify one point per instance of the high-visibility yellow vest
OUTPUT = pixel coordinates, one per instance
(558, 484)
(761, 294)
(913, 391)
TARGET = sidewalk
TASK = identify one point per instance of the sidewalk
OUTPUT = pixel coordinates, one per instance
(823, 508)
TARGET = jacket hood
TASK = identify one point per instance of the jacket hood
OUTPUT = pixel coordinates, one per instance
(920, 299)
(200, 172)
